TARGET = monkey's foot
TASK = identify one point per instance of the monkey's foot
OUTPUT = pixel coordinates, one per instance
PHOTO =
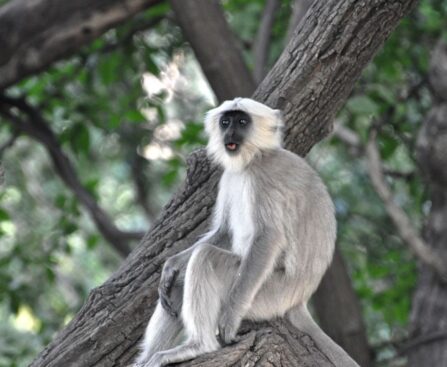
(181, 353)
(156, 361)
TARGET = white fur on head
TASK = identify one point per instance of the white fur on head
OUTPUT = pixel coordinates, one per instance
(265, 132)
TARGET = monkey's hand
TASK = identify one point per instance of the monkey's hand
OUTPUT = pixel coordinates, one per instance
(167, 280)
(229, 322)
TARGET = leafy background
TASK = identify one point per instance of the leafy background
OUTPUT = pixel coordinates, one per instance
(127, 110)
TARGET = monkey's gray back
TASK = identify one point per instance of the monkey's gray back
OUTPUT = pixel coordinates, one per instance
(290, 196)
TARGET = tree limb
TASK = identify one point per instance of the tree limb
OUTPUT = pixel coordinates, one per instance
(348, 330)
(310, 81)
(36, 127)
(34, 34)
(401, 221)
(262, 43)
(429, 306)
(227, 79)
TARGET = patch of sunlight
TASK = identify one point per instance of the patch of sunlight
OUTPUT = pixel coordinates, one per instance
(170, 130)
(9, 228)
(124, 198)
(68, 318)
(11, 196)
(156, 151)
(76, 242)
(26, 321)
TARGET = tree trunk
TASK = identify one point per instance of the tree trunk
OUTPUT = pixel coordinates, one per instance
(309, 83)
(428, 343)
(215, 46)
(347, 329)
(34, 34)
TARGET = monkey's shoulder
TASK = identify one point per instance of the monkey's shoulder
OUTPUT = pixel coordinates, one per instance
(287, 168)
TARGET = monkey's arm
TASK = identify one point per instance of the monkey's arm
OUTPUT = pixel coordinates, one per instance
(174, 268)
(255, 268)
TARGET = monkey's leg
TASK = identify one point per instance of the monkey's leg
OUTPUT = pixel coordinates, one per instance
(162, 331)
(209, 276)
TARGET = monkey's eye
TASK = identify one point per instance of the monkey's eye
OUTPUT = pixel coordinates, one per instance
(224, 122)
(243, 122)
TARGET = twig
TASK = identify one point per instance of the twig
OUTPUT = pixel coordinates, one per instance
(137, 28)
(352, 140)
(262, 43)
(402, 223)
(399, 174)
(400, 220)
(421, 340)
(35, 126)
(347, 136)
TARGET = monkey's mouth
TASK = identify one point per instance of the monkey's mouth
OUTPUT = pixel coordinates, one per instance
(232, 147)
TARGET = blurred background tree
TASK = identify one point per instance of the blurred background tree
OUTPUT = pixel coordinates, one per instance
(118, 119)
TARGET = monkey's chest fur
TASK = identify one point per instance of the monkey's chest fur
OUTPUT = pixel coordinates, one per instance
(236, 190)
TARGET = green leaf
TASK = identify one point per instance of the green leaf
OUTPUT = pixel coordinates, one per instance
(92, 241)
(388, 145)
(363, 105)
(169, 178)
(191, 135)
(151, 66)
(159, 10)
(134, 116)
(384, 93)
(80, 139)
(4, 216)
(59, 201)
(51, 276)
(109, 69)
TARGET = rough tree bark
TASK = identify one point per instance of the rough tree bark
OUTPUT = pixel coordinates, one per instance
(310, 81)
(428, 343)
(34, 34)
(348, 329)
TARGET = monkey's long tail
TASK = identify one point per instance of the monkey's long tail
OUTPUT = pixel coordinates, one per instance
(301, 318)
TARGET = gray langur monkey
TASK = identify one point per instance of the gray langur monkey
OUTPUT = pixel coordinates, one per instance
(271, 240)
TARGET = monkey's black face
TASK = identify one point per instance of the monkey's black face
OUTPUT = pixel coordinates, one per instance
(235, 126)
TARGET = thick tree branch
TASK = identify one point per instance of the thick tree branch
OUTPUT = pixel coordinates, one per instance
(429, 309)
(262, 43)
(36, 127)
(228, 79)
(348, 330)
(311, 80)
(401, 221)
(34, 34)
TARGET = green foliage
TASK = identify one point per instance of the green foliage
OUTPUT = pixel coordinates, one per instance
(393, 95)
(129, 155)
